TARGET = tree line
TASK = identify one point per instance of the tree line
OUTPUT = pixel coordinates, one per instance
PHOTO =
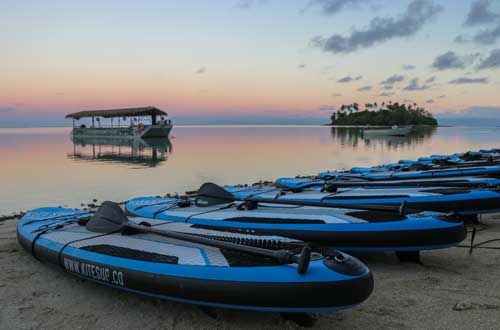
(384, 114)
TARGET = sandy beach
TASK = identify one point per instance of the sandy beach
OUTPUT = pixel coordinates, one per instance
(451, 289)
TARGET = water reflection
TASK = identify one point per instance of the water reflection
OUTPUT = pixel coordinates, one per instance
(41, 166)
(353, 137)
(127, 151)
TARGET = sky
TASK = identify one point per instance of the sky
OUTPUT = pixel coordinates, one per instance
(244, 61)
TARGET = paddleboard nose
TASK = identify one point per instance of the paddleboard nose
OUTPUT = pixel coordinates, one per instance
(346, 265)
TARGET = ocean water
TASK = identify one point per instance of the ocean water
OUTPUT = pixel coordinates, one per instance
(45, 167)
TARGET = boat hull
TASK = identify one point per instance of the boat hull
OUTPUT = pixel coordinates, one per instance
(149, 131)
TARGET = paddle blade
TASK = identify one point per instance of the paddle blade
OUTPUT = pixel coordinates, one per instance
(330, 187)
(211, 194)
(304, 260)
(109, 217)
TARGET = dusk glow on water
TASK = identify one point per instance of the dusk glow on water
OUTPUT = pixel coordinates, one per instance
(43, 167)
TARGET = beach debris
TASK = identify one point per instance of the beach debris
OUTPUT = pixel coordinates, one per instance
(12, 216)
(467, 305)
(25, 307)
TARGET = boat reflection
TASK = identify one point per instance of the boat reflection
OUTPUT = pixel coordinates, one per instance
(126, 151)
(353, 136)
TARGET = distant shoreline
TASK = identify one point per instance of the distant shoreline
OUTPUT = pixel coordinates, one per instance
(250, 125)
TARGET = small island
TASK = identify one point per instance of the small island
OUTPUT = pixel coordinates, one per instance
(385, 114)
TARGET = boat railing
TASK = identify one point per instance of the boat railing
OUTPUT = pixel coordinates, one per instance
(161, 123)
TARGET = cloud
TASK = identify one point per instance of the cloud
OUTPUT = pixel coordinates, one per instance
(448, 60)
(487, 37)
(7, 109)
(365, 88)
(392, 79)
(418, 13)
(409, 67)
(332, 7)
(301, 66)
(480, 13)
(246, 4)
(201, 70)
(465, 80)
(347, 79)
(385, 94)
(492, 61)
(430, 79)
(483, 37)
(415, 86)
(429, 101)
(326, 107)
(460, 39)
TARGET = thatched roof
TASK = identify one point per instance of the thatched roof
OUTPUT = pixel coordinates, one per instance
(114, 113)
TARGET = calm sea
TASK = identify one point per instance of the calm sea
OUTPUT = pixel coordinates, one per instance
(44, 167)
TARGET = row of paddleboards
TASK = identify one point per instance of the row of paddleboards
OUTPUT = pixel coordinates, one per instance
(141, 259)
(475, 160)
(281, 248)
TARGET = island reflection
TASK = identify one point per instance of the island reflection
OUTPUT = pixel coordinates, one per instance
(353, 137)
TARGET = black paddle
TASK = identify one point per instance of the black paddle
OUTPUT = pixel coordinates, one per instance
(211, 194)
(110, 218)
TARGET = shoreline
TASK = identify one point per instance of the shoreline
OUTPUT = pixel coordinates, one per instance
(450, 289)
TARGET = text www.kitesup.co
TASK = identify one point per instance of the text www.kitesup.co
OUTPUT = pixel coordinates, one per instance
(94, 272)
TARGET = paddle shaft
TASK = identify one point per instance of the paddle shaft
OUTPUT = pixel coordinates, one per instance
(281, 255)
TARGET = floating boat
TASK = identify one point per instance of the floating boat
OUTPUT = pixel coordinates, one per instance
(183, 270)
(392, 131)
(458, 200)
(346, 229)
(137, 128)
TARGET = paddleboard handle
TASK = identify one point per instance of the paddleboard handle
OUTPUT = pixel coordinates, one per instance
(303, 259)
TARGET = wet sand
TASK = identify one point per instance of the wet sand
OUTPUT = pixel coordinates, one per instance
(451, 289)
